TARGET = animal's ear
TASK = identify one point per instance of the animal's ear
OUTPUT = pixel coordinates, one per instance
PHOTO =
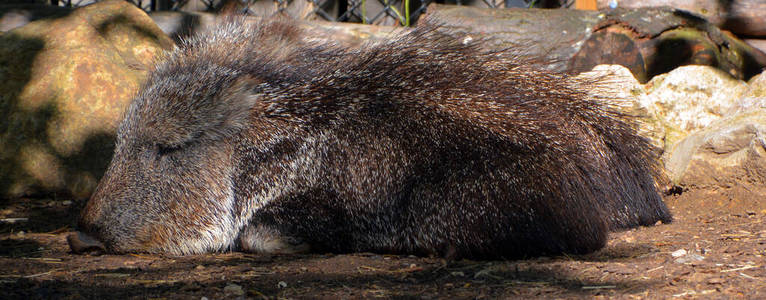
(208, 116)
(230, 110)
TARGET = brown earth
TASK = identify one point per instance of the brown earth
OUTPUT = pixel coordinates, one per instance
(723, 231)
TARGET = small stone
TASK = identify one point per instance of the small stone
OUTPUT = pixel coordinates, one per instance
(678, 253)
(282, 284)
(234, 289)
(691, 257)
(67, 202)
(203, 298)
(716, 280)
(200, 267)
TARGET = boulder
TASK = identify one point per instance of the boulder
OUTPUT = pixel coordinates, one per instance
(710, 127)
(757, 86)
(730, 152)
(720, 128)
(690, 98)
(675, 104)
(618, 85)
(64, 84)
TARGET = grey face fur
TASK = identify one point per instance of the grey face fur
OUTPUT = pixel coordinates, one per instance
(170, 185)
(251, 137)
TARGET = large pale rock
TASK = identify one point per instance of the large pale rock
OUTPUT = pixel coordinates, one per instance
(64, 84)
(731, 151)
(618, 85)
(690, 98)
(754, 98)
(710, 127)
(757, 86)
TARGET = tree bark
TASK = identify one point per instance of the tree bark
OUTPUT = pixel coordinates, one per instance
(179, 25)
(743, 17)
(648, 41)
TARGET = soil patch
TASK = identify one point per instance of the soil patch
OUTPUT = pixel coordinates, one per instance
(715, 248)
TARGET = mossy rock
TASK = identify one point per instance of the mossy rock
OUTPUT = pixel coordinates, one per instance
(64, 84)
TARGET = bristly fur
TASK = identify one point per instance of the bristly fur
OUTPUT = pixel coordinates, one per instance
(421, 144)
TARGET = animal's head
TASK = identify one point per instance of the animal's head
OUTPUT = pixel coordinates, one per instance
(169, 187)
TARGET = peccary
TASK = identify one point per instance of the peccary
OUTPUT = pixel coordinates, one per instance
(253, 137)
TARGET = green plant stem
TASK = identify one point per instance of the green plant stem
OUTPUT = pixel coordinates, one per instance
(407, 13)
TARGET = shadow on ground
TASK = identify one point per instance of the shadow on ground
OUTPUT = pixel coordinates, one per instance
(320, 276)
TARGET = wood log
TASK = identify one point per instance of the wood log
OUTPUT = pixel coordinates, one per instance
(17, 15)
(747, 17)
(648, 41)
(743, 17)
(759, 44)
(179, 25)
(297, 9)
(551, 35)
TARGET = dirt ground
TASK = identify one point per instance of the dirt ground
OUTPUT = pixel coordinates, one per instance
(714, 249)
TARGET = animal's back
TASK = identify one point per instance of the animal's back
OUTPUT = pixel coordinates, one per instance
(428, 145)
(256, 136)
